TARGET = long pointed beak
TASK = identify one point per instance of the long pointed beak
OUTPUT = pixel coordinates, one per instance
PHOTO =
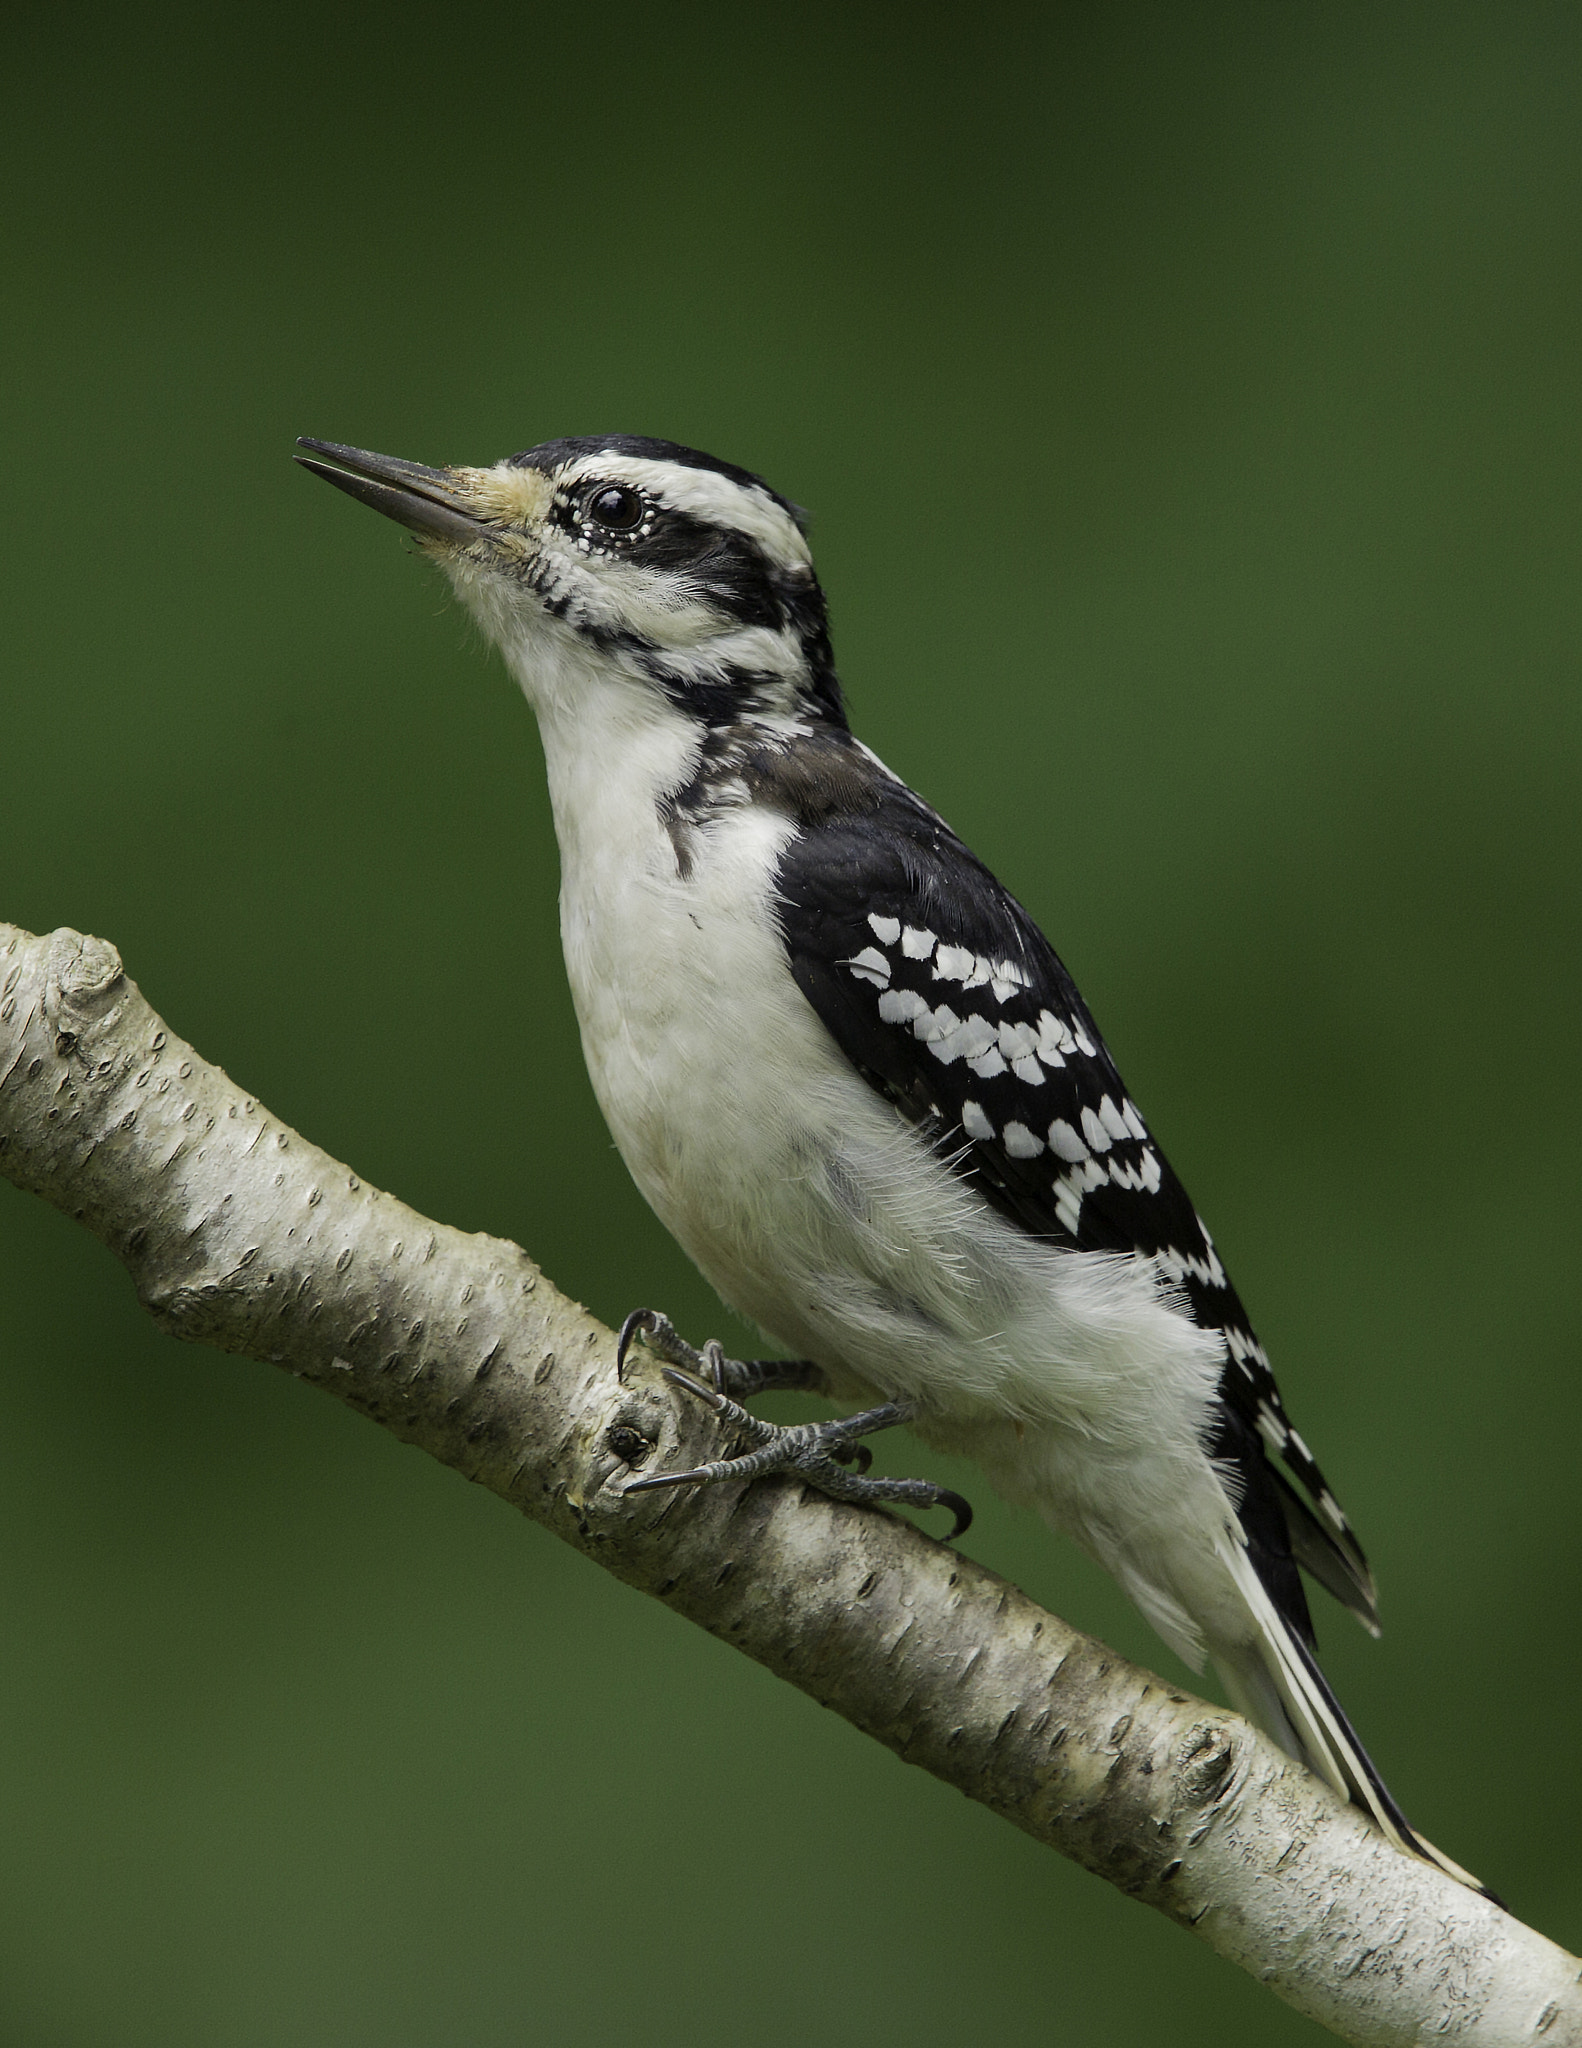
(431, 502)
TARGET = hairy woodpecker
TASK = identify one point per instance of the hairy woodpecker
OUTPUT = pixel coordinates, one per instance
(855, 1082)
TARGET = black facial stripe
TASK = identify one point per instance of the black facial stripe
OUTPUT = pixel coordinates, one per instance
(732, 572)
(719, 696)
(723, 564)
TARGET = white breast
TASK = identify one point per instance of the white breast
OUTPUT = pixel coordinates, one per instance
(820, 1214)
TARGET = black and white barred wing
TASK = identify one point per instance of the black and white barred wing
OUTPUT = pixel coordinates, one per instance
(945, 995)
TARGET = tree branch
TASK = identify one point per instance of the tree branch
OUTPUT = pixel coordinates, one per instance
(239, 1233)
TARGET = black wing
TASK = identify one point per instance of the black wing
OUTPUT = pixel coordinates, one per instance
(946, 996)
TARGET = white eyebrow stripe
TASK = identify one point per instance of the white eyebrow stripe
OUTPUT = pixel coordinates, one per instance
(704, 494)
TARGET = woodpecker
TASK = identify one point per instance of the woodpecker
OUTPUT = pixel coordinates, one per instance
(853, 1079)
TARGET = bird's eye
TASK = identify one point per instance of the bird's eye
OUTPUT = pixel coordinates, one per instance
(616, 507)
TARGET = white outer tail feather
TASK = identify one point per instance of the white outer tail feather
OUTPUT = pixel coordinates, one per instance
(1276, 1684)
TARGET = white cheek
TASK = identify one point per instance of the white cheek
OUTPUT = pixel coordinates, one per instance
(658, 606)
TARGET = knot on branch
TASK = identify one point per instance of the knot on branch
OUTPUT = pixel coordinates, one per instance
(85, 987)
(198, 1315)
(1207, 1765)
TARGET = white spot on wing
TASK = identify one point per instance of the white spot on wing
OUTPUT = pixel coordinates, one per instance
(885, 929)
(1098, 1138)
(1054, 1040)
(1021, 1143)
(952, 963)
(1111, 1119)
(935, 1027)
(915, 944)
(967, 1040)
(974, 1122)
(1068, 1199)
(902, 1005)
(1064, 1142)
(871, 965)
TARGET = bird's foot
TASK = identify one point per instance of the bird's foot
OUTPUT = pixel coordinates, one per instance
(742, 1377)
(818, 1452)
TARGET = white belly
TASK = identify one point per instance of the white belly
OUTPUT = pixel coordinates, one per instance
(823, 1217)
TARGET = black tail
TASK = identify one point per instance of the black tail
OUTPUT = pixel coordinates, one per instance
(1277, 1683)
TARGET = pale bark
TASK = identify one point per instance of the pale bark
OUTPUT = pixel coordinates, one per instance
(239, 1233)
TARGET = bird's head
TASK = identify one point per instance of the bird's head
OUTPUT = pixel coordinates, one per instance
(615, 563)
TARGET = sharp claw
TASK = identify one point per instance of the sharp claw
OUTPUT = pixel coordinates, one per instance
(665, 1479)
(961, 1509)
(716, 1400)
(639, 1323)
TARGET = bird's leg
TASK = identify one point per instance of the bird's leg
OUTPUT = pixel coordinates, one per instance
(742, 1377)
(818, 1452)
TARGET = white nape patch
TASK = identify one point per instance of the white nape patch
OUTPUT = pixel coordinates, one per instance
(703, 493)
(1021, 1143)
(870, 965)
(917, 945)
(887, 930)
(1064, 1142)
(1098, 1138)
(1134, 1122)
(902, 1006)
(974, 1122)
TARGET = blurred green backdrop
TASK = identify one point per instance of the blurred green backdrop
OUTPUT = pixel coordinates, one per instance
(1187, 401)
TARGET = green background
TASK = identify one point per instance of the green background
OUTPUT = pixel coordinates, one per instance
(1186, 401)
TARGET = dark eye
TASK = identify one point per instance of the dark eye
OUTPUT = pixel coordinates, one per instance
(616, 507)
